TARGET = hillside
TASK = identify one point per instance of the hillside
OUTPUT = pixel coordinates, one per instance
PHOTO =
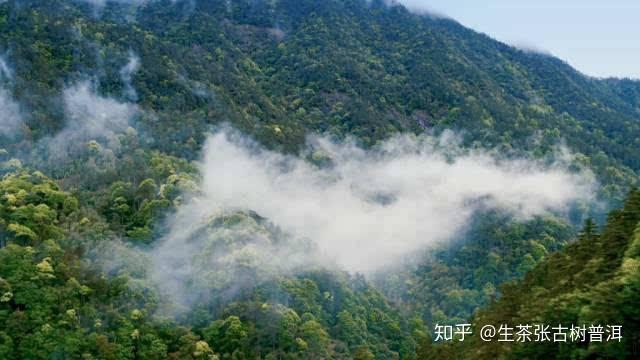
(106, 115)
(593, 282)
(337, 67)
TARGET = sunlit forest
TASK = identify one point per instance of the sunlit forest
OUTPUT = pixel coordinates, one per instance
(304, 179)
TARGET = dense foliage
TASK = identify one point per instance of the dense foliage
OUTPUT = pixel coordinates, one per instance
(280, 70)
(593, 281)
(53, 305)
(448, 284)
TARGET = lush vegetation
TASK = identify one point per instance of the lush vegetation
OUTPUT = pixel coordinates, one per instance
(279, 70)
(448, 284)
(593, 281)
(54, 305)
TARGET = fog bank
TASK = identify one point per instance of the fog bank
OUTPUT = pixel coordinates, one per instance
(260, 214)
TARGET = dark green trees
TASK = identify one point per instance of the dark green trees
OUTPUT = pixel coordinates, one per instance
(594, 281)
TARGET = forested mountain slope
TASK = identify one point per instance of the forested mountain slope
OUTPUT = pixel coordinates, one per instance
(105, 108)
(593, 282)
(281, 69)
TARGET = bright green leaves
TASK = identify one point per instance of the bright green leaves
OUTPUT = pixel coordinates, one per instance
(594, 280)
(227, 336)
(23, 233)
(134, 210)
(32, 207)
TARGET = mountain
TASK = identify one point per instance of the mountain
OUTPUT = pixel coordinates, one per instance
(357, 68)
(108, 105)
(593, 282)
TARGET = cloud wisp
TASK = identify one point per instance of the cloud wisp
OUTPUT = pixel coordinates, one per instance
(10, 116)
(126, 75)
(374, 205)
(259, 213)
(5, 71)
(89, 116)
(419, 7)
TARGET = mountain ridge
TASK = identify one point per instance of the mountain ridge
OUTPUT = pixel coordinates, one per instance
(117, 101)
(339, 67)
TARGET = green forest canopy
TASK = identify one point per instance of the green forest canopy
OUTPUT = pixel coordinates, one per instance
(279, 71)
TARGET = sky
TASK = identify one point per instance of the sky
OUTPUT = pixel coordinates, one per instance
(599, 38)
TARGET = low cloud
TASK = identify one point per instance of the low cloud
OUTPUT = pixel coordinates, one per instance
(261, 213)
(90, 116)
(530, 48)
(10, 116)
(5, 71)
(418, 6)
(126, 74)
(371, 206)
(214, 256)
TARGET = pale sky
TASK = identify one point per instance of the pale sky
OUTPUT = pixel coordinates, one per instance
(599, 38)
